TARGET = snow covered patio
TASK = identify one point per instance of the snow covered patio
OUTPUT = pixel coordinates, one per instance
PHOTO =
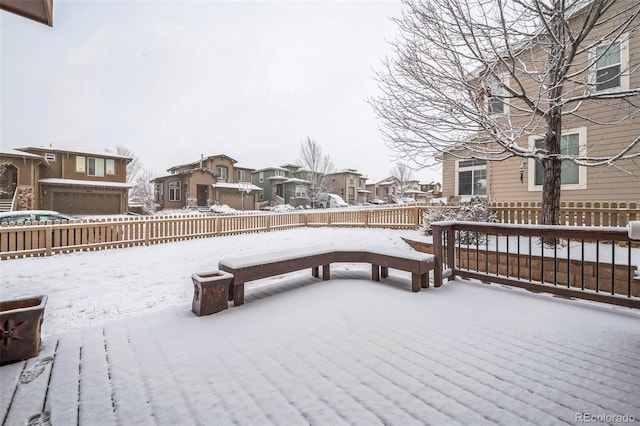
(303, 351)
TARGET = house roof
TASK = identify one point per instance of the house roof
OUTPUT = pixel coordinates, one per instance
(36, 10)
(77, 182)
(203, 159)
(282, 169)
(296, 180)
(183, 173)
(83, 151)
(21, 154)
(346, 171)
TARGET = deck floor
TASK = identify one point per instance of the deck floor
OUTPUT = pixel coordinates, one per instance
(340, 352)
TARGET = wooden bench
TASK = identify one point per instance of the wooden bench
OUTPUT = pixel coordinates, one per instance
(250, 268)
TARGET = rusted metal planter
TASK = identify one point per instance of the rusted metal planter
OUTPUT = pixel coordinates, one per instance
(210, 292)
(20, 324)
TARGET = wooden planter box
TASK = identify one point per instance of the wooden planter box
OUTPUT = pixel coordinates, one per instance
(20, 323)
(210, 292)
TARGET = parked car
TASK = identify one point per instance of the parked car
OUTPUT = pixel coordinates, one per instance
(22, 216)
(406, 200)
(222, 209)
(283, 208)
(376, 201)
(328, 201)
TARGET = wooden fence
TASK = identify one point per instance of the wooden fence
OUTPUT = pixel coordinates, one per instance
(571, 214)
(45, 239)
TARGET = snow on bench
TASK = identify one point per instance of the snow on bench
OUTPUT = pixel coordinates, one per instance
(264, 265)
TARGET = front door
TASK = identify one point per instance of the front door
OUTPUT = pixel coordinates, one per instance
(201, 194)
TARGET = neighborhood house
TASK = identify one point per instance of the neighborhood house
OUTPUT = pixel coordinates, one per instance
(68, 181)
(212, 180)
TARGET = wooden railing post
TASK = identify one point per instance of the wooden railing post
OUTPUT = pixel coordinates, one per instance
(436, 233)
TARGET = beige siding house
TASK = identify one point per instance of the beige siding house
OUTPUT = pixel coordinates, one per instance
(519, 179)
(212, 180)
(350, 185)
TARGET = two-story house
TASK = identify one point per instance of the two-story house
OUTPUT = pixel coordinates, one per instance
(211, 180)
(595, 128)
(66, 180)
(286, 184)
(350, 184)
(391, 190)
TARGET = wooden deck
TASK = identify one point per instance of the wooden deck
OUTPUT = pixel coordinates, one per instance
(321, 359)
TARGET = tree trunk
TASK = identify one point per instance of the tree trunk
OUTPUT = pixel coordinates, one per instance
(551, 191)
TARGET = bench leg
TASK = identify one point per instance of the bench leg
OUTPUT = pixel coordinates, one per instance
(384, 271)
(415, 282)
(238, 294)
(315, 272)
(230, 291)
(424, 280)
(375, 272)
(326, 272)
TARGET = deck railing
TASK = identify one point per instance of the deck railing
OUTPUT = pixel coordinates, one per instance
(593, 263)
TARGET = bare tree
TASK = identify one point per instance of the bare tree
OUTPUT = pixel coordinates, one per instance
(476, 78)
(142, 190)
(135, 165)
(317, 166)
(403, 174)
(140, 179)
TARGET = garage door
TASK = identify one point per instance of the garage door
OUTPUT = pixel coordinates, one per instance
(86, 203)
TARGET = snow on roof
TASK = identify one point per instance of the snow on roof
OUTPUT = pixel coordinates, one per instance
(237, 186)
(59, 181)
(282, 169)
(295, 180)
(18, 153)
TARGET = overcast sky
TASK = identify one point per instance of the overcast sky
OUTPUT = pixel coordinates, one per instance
(174, 80)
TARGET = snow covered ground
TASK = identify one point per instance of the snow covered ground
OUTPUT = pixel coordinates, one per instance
(347, 351)
(91, 288)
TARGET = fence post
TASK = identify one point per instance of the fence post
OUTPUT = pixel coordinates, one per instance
(48, 239)
(146, 230)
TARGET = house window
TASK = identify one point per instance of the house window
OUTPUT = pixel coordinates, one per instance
(352, 193)
(174, 190)
(301, 191)
(95, 167)
(50, 156)
(572, 143)
(495, 102)
(240, 175)
(81, 164)
(111, 167)
(261, 177)
(471, 177)
(279, 173)
(222, 173)
(612, 61)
